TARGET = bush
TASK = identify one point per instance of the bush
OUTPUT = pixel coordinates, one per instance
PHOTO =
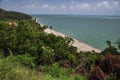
(78, 77)
(26, 60)
(55, 70)
(12, 71)
(1, 54)
(106, 65)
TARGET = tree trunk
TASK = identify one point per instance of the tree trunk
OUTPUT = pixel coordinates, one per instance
(7, 52)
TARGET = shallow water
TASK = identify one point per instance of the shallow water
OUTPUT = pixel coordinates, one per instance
(92, 30)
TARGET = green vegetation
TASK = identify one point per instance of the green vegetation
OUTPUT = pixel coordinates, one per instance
(12, 15)
(28, 53)
(12, 69)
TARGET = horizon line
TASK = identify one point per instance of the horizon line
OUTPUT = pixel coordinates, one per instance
(75, 14)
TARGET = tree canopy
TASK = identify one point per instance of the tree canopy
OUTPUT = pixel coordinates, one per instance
(12, 15)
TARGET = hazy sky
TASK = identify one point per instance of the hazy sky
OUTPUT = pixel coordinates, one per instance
(82, 7)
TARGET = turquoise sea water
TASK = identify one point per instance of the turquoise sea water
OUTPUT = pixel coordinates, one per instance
(92, 30)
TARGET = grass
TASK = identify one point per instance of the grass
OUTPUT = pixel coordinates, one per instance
(11, 69)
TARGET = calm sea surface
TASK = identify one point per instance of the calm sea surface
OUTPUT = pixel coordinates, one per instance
(92, 30)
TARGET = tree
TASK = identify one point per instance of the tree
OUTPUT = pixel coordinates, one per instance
(118, 43)
(7, 38)
(108, 43)
(51, 27)
(47, 56)
(106, 65)
(110, 49)
(97, 74)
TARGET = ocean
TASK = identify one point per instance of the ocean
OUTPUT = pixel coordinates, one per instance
(92, 30)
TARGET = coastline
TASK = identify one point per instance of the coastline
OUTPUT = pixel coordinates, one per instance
(79, 45)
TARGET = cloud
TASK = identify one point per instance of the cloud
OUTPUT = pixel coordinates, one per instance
(63, 6)
(72, 2)
(80, 6)
(48, 7)
(31, 6)
(104, 4)
(83, 6)
(116, 3)
(45, 6)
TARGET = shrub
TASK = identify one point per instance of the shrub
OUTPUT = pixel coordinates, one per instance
(26, 60)
(12, 71)
(78, 77)
(106, 65)
(97, 74)
(55, 70)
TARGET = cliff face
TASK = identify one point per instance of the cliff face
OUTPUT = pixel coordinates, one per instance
(12, 15)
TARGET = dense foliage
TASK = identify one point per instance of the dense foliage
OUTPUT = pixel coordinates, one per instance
(28, 53)
(33, 48)
(107, 65)
(12, 15)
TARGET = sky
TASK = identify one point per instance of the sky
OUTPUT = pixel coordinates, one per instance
(79, 7)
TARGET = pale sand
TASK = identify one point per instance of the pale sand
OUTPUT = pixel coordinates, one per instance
(79, 45)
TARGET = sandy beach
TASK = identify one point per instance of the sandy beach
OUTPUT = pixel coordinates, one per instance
(79, 45)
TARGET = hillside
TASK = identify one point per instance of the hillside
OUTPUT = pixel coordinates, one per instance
(27, 52)
(12, 15)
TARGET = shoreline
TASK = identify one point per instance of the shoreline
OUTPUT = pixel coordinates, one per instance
(81, 46)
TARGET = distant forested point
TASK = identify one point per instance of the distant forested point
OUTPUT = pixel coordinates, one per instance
(12, 15)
